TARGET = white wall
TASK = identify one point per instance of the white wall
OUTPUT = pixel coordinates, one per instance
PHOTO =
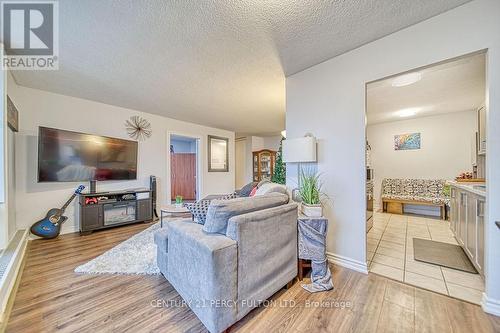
(40, 108)
(183, 146)
(11, 183)
(240, 162)
(333, 93)
(8, 225)
(266, 142)
(251, 144)
(4, 212)
(445, 148)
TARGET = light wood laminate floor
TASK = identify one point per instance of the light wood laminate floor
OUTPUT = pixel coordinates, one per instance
(52, 298)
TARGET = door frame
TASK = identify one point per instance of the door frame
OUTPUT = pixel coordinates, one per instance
(199, 179)
(486, 54)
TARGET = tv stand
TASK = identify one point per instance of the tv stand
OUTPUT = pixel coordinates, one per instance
(102, 210)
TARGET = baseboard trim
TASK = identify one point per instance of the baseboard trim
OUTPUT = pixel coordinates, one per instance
(491, 306)
(346, 262)
(10, 282)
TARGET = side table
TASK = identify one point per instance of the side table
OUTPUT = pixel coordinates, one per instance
(303, 263)
(308, 245)
(312, 246)
(172, 210)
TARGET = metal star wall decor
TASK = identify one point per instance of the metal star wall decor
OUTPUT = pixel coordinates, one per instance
(138, 128)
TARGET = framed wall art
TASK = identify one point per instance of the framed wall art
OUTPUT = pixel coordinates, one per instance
(408, 141)
(218, 154)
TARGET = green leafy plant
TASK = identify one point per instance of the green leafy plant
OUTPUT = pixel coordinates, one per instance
(279, 174)
(178, 199)
(310, 187)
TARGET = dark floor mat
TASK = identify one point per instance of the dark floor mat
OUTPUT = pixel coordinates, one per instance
(442, 254)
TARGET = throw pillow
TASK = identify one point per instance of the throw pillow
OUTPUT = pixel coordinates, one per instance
(220, 211)
(262, 182)
(270, 188)
(229, 196)
(254, 190)
(199, 210)
(247, 189)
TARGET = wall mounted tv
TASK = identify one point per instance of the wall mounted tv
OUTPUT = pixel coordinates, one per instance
(65, 156)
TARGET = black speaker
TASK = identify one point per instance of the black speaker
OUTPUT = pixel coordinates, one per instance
(152, 187)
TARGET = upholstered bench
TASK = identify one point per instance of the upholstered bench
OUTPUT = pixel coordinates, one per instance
(429, 192)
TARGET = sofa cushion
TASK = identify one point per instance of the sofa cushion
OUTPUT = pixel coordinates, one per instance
(199, 210)
(431, 200)
(220, 211)
(423, 190)
(229, 196)
(271, 188)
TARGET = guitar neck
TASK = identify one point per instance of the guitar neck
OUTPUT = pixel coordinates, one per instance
(63, 208)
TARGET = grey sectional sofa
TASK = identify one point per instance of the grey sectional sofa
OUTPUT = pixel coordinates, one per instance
(223, 276)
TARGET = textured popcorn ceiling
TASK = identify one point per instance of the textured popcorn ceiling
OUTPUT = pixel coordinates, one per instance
(454, 86)
(217, 63)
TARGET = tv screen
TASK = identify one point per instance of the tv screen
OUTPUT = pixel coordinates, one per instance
(65, 156)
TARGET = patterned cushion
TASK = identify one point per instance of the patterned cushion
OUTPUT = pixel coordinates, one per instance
(425, 190)
(229, 196)
(199, 210)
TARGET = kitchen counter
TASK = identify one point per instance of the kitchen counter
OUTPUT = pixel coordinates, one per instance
(467, 221)
(476, 188)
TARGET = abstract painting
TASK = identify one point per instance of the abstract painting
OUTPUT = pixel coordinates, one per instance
(409, 141)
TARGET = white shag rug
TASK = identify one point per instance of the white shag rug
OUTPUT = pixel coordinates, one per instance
(136, 255)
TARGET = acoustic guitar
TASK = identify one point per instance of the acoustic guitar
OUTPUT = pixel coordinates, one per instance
(50, 225)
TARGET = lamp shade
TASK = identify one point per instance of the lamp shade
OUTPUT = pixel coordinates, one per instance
(299, 150)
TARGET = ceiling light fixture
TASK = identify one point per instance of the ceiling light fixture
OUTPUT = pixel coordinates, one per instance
(406, 79)
(407, 112)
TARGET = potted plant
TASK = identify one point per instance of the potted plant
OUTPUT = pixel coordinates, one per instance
(178, 201)
(310, 194)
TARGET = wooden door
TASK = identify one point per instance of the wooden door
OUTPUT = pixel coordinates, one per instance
(183, 175)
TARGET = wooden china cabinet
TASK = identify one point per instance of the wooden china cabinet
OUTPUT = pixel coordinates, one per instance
(263, 164)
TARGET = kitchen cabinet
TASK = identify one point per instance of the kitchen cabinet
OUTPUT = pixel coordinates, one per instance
(480, 204)
(467, 222)
(473, 148)
(470, 241)
(453, 209)
(462, 218)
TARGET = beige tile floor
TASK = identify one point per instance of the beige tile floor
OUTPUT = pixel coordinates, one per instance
(390, 253)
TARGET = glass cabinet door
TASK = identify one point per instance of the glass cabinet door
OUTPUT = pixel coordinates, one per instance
(255, 168)
(265, 165)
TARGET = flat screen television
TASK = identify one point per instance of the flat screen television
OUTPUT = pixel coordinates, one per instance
(65, 156)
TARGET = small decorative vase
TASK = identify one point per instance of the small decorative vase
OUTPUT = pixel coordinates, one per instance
(312, 210)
